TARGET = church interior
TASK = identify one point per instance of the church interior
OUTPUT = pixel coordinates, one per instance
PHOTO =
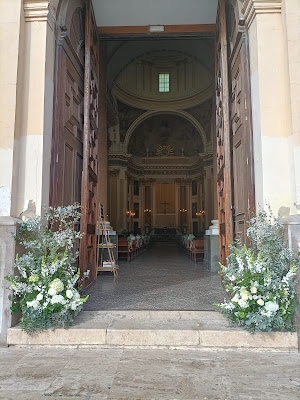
(160, 184)
(160, 122)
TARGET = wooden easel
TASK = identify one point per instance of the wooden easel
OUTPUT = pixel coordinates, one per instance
(103, 242)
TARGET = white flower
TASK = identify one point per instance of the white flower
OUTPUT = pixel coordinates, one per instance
(260, 302)
(34, 304)
(57, 285)
(39, 297)
(245, 296)
(244, 293)
(69, 294)
(243, 304)
(52, 291)
(58, 299)
(235, 298)
(73, 306)
(253, 290)
(271, 307)
(229, 306)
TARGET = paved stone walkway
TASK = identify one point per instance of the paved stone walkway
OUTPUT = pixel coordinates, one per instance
(91, 373)
(161, 278)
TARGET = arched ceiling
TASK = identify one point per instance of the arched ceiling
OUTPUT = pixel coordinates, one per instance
(154, 12)
(122, 53)
(190, 81)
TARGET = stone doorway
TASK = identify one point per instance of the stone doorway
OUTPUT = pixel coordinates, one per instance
(203, 174)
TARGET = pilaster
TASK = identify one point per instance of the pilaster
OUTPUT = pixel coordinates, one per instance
(252, 8)
(273, 165)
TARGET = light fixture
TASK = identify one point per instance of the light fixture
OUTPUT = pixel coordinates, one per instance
(147, 210)
(130, 213)
(183, 210)
(156, 28)
(200, 213)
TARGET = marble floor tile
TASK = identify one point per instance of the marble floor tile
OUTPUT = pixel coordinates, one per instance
(161, 278)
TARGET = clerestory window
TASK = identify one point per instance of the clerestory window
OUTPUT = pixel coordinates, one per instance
(163, 83)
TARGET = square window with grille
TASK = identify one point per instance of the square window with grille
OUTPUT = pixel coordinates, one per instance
(163, 83)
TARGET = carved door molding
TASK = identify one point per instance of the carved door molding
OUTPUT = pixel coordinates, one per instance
(235, 165)
(224, 181)
(243, 195)
(87, 251)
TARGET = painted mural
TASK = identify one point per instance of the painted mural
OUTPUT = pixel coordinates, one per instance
(167, 131)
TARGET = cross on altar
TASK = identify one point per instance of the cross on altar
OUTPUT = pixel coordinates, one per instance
(165, 206)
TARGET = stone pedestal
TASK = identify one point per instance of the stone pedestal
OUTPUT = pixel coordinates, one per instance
(292, 232)
(8, 227)
(211, 247)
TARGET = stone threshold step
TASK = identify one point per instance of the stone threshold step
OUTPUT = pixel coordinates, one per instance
(167, 329)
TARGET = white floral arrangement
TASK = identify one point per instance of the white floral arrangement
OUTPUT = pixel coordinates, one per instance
(44, 287)
(261, 280)
(190, 237)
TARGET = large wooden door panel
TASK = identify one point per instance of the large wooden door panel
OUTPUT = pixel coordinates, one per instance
(68, 125)
(223, 136)
(87, 254)
(240, 124)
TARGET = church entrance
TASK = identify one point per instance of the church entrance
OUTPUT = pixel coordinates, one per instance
(153, 122)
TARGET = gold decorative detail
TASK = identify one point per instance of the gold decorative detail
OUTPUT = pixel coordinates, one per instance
(165, 151)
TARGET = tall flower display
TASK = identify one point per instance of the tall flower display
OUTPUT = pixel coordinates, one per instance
(261, 279)
(44, 286)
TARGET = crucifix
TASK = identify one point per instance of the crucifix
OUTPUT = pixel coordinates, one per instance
(165, 206)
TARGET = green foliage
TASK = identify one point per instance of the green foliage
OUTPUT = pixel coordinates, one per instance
(261, 279)
(44, 287)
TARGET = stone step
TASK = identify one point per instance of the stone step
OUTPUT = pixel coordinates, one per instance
(155, 329)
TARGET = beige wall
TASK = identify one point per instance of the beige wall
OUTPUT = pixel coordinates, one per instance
(10, 21)
(291, 23)
(272, 132)
(27, 83)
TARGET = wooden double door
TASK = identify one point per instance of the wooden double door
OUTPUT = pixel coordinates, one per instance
(74, 163)
(235, 170)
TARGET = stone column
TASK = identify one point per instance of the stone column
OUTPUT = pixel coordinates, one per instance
(10, 20)
(189, 206)
(292, 233)
(291, 23)
(270, 98)
(153, 190)
(177, 204)
(142, 205)
(34, 107)
(8, 227)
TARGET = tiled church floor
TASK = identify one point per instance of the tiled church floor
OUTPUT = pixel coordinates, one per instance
(161, 278)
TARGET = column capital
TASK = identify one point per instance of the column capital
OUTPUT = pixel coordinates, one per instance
(251, 8)
(39, 10)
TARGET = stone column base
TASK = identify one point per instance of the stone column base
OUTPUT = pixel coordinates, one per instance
(8, 227)
(211, 247)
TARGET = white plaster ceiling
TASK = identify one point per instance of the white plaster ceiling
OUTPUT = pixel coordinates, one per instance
(154, 12)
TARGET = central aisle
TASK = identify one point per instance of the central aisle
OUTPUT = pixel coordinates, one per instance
(161, 278)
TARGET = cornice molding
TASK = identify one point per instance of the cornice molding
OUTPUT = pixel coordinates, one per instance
(156, 104)
(39, 10)
(251, 8)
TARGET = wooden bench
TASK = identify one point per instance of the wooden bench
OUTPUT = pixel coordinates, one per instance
(197, 247)
(125, 249)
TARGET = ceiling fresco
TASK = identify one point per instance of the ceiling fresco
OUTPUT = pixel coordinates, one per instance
(165, 131)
